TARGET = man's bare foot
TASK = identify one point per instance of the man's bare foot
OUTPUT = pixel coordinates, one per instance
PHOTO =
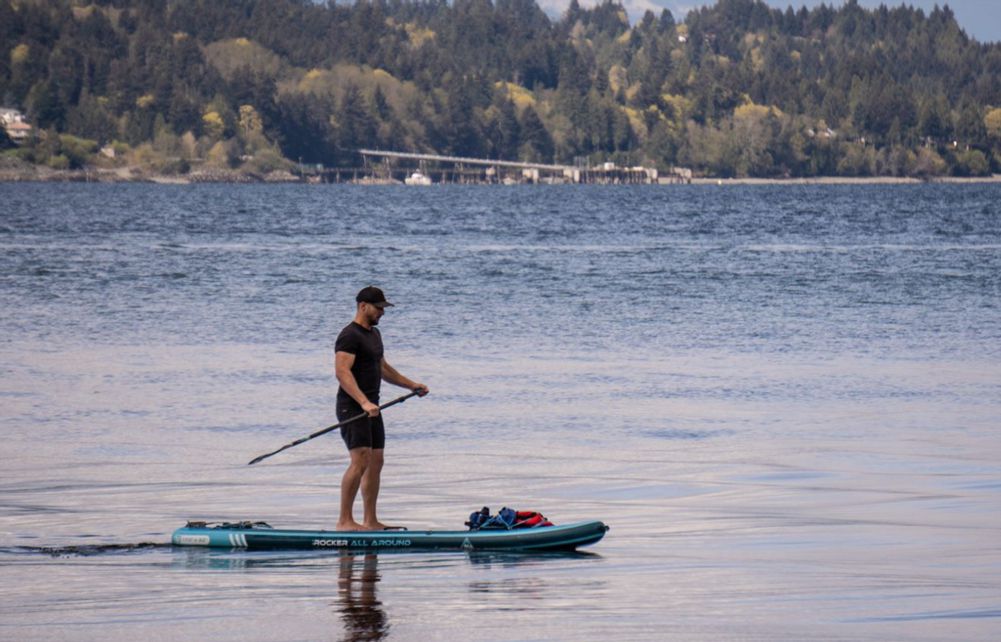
(350, 526)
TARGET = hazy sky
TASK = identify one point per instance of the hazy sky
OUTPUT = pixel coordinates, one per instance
(981, 19)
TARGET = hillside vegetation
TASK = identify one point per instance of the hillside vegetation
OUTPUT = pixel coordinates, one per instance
(737, 89)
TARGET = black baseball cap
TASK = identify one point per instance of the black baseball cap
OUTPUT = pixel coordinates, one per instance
(373, 296)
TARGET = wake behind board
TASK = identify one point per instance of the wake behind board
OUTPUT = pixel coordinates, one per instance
(260, 536)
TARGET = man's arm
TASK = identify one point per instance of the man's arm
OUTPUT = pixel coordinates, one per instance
(393, 376)
(342, 367)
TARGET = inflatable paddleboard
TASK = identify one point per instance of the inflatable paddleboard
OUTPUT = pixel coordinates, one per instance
(260, 536)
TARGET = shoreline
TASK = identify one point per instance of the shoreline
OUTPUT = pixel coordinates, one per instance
(848, 180)
(36, 174)
(41, 174)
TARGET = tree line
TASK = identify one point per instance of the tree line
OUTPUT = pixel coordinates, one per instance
(735, 89)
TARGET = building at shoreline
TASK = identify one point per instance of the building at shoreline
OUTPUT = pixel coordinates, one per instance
(15, 125)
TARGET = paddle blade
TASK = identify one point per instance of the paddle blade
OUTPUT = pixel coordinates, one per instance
(257, 459)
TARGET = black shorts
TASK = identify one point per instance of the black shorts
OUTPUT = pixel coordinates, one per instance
(367, 432)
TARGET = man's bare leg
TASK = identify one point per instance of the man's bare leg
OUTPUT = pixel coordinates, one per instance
(360, 461)
(370, 483)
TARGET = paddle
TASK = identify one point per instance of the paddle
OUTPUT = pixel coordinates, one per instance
(334, 427)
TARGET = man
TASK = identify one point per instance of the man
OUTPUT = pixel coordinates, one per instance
(361, 368)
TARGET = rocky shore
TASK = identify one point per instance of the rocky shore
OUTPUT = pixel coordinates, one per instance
(19, 171)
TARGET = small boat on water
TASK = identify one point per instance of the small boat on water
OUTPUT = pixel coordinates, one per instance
(417, 178)
(260, 536)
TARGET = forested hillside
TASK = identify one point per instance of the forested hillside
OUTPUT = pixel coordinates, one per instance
(736, 89)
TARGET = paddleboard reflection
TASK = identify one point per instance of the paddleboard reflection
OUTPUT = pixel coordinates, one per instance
(514, 580)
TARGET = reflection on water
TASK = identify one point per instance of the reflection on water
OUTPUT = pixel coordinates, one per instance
(357, 576)
(515, 582)
(361, 611)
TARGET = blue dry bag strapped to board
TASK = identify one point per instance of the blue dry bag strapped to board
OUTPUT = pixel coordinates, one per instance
(506, 519)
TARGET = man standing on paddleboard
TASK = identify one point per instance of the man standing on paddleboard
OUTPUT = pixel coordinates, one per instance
(361, 368)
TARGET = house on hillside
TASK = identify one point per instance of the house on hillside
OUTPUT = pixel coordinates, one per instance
(13, 121)
(8, 115)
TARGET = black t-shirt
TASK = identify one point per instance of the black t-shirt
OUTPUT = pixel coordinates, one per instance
(366, 346)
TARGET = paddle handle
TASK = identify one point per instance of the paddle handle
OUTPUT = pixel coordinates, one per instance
(334, 427)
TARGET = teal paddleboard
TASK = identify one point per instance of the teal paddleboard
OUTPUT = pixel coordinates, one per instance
(260, 536)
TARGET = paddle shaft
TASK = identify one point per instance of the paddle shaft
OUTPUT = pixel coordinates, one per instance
(334, 427)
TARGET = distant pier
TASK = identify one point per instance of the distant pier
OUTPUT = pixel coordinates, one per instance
(391, 167)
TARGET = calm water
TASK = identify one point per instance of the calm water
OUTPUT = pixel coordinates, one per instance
(784, 400)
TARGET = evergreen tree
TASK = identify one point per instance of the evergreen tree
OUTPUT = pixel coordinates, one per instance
(537, 144)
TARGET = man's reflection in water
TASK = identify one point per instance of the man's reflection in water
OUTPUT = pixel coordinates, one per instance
(363, 616)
